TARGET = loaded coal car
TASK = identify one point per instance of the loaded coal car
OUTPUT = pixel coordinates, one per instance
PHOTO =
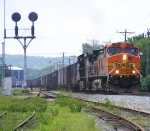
(63, 77)
(55, 80)
(60, 78)
(74, 76)
(36, 82)
(52, 80)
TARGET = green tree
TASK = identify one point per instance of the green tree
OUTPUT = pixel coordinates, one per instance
(142, 42)
(87, 47)
(146, 84)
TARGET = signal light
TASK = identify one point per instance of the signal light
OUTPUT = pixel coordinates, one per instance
(124, 57)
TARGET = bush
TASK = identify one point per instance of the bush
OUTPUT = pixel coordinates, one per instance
(74, 105)
(146, 84)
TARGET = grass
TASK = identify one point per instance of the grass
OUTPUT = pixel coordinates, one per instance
(18, 91)
(62, 118)
(18, 110)
(66, 114)
(62, 114)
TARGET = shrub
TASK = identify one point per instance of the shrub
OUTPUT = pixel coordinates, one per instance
(74, 105)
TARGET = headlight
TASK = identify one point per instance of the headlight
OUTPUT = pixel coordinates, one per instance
(116, 71)
(133, 71)
(124, 57)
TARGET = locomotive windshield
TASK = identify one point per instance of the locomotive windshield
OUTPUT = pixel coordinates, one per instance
(113, 51)
(133, 51)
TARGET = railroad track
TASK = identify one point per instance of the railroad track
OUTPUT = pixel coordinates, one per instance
(3, 113)
(130, 123)
(113, 93)
(24, 122)
(109, 93)
(54, 95)
(10, 124)
(48, 94)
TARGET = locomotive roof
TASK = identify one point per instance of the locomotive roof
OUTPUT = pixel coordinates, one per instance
(90, 54)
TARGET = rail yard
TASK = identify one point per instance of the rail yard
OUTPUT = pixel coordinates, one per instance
(73, 85)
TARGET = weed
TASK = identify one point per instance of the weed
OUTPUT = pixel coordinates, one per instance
(138, 118)
(54, 111)
(109, 104)
(74, 105)
(89, 106)
(91, 122)
(117, 111)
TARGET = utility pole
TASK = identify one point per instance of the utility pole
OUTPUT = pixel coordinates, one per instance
(3, 55)
(148, 33)
(63, 68)
(125, 34)
(69, 60)
(50, 67)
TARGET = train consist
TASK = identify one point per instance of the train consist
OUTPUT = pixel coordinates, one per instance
(114, 68)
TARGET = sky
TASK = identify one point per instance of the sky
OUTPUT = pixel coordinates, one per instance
(63, 25)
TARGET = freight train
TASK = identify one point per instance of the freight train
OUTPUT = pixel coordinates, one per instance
(115, 68)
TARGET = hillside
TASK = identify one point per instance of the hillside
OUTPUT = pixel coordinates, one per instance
(34, 62)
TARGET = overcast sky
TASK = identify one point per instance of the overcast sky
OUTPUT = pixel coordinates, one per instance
(63, 25)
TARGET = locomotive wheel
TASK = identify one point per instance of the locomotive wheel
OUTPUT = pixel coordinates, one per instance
(90, 85)
(85, 84)
(103, 84)
(77, 87)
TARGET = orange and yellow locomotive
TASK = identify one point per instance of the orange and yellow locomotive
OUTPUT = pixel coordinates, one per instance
(115, 68)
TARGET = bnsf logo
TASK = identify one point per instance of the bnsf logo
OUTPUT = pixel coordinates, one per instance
(122, 64)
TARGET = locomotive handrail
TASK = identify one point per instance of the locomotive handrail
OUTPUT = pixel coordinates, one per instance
(113, 69)
(135, 68)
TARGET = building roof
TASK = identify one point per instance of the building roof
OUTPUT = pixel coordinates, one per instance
(15, 68)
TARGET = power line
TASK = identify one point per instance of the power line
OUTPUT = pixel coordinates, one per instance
(140, 22)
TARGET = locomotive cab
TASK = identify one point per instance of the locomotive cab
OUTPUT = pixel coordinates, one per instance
(123, 67)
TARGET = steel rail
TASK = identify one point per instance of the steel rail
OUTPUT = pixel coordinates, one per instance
(3, 113)
(132, 124)
(24, 122)
(49, 94)
(146, 114)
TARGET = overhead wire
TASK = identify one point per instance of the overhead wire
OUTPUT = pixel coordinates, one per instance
(141, 23)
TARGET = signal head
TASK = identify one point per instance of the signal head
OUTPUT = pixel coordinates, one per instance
(33, 16)
(16, 16)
